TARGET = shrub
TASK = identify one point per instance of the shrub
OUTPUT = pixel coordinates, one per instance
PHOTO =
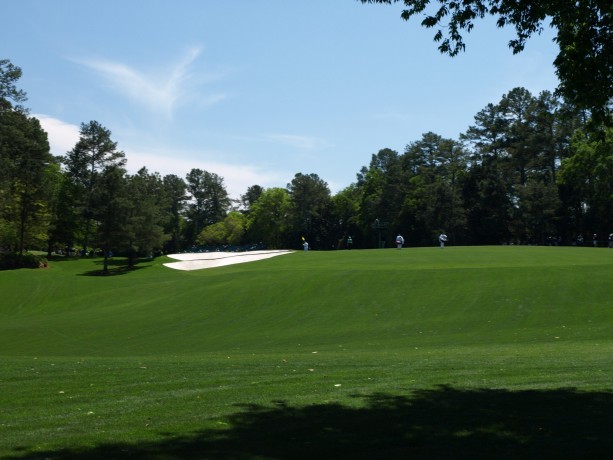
(15, 261)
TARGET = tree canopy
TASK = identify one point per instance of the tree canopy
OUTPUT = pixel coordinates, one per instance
(528, 170)
(9, 74)
(584, 64)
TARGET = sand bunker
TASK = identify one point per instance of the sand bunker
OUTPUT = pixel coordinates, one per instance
(201, 260)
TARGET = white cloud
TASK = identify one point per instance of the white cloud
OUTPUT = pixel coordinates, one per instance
(62, 136)
(161, 91)
(237, 177)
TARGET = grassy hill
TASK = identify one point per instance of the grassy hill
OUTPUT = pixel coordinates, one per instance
(349, 354)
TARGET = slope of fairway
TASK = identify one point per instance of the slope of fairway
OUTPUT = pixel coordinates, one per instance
(466, 352)
(358, 299)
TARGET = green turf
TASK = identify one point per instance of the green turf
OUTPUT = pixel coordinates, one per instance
(465, 352)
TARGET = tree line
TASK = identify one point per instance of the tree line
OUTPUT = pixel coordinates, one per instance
(531, 169)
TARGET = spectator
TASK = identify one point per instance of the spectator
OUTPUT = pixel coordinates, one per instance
(399, 241)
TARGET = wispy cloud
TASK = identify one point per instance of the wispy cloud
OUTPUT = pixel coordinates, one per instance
(160, 91)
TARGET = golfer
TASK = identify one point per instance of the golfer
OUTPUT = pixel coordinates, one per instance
(399, 241)
(442, 238)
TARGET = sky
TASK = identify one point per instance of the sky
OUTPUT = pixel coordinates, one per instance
(256, 91)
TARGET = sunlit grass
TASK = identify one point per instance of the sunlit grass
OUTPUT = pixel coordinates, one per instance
(152, 354)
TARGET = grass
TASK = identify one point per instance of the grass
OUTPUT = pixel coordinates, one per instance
(466, 352)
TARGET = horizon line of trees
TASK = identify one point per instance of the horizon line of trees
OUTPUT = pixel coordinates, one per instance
(530, 168)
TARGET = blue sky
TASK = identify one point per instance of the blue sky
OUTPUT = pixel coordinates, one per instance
(256, 90)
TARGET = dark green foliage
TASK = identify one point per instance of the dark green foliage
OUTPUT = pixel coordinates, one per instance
(229, 232)
(173, 198)
(209, 201)
(346, 205)
(311, 211)
(9, 74)
(251, 196)
(146, 215)
(110, 208)
(531, 169)
(269, 218)
(14, 261)
(25, 181)
(587, 175)
(85, 164)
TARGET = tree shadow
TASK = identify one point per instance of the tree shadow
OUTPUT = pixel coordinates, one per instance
(428, 424)
(117, 267)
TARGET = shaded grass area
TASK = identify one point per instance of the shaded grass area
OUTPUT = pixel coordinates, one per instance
(345, 403)
(436, 423)
(499, 352)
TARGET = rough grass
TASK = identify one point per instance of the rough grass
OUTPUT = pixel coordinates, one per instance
(461, 352)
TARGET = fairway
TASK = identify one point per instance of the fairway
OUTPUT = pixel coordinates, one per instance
(462, 352)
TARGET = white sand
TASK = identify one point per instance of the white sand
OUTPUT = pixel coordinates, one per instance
(201, 260)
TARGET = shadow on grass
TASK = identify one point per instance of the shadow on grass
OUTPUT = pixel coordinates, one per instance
(439, 423)
(117, 267)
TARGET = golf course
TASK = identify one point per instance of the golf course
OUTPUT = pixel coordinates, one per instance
(462, 352)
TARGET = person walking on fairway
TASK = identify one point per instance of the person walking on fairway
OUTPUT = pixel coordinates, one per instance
(399, 241)
(442, 238)
(305, 245)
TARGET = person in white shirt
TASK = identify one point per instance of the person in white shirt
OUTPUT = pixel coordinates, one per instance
(399, 241)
